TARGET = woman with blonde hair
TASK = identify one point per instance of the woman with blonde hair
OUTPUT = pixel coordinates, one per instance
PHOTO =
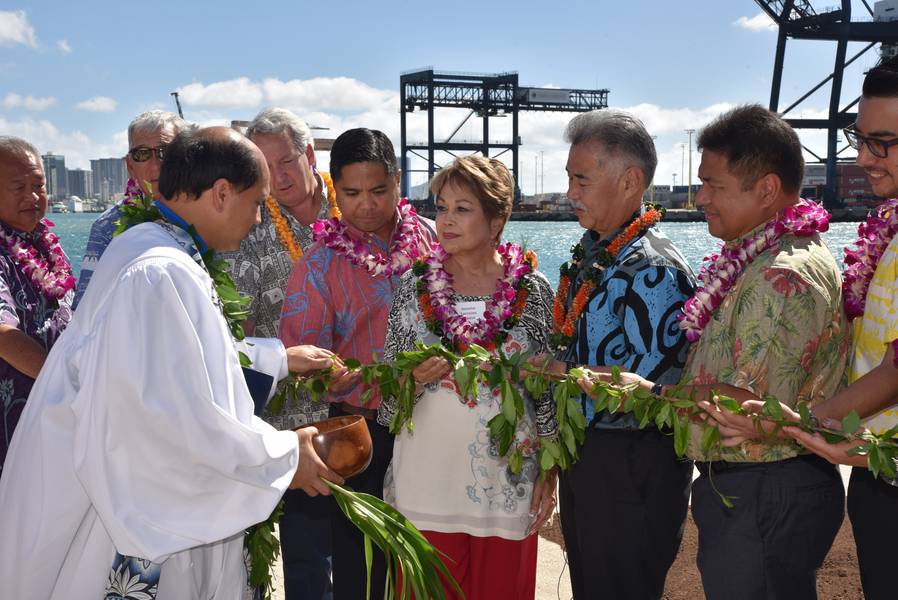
(448, 476)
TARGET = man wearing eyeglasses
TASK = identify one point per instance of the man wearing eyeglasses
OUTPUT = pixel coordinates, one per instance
(148, 135)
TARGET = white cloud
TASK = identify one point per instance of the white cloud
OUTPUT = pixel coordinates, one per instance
(15, 29)
(97, 104)
(77, 147)
(234, 93)
(759, 22)
(13, 100)
(64, 46)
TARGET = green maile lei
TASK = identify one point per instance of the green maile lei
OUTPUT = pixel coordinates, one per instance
(671, 413)
(406, 550)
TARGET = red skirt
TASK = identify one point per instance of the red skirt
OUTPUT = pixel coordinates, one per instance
(488, 568)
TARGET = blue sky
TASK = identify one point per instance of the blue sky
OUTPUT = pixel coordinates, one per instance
(72, 75)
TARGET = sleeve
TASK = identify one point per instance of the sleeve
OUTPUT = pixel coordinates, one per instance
(658, 347)
(165, 444)
(537, 318)
(308, 315)
(401, 335)
(101, 233)
(8, 314)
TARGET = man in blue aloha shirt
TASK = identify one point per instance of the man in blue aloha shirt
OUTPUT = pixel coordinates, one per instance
(623, 504)
(148, 135)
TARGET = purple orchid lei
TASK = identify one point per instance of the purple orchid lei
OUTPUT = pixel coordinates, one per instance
(404, 249)
(862, 257)
(719, 275)
(501, 312)
(53, 274)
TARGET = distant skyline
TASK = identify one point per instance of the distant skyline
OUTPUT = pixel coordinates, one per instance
(72, 75)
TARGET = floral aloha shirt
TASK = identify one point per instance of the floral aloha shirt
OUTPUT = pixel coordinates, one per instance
(781, 332)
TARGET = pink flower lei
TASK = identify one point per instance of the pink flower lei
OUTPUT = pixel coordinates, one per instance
(502, 311)
(719, 275)
(404, 249)
(53, 274)
(862, 257)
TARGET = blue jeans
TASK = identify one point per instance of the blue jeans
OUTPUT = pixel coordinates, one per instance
(305, 529)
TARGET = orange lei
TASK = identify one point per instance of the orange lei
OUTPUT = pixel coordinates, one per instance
(331, 195)
(282, 227)
(564, 320)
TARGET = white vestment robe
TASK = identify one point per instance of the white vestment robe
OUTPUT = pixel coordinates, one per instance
(139, 438)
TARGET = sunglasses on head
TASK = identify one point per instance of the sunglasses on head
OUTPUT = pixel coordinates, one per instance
(143, 154)
(878, 148)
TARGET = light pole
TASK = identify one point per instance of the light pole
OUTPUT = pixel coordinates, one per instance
(682, 163)
(675, 180)
(689, 203)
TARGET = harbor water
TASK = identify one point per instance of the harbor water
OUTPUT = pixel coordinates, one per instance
(551, 241)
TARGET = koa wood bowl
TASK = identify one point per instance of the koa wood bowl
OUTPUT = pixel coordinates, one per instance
(344, 444)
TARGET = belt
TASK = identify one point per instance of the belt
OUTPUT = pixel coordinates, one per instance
(720, 466)
(368, 413)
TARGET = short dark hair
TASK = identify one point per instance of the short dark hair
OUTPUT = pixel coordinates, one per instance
(756, 142)
(195, 160)
(362, 145)
(882, 80)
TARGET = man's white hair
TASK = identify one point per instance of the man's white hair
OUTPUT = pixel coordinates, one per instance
(154, 120)
(274, 121)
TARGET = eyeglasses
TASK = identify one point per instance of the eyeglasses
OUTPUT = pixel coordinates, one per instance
(878, 148)
(143, 154)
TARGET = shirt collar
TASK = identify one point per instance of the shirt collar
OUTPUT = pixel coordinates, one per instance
(175, 219)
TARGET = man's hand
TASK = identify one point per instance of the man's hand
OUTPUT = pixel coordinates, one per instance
(311, 468)
(736, 429)
(834, 453)
(543, 503)
(306, 359)
(342, 379)
(594, 374)
(546, 363)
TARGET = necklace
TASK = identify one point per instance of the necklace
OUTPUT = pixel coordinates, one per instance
(282, 226)
(719, 275)
(565, 318)
(502, 312)
(862, 257)
(43, 260)
(405, 248)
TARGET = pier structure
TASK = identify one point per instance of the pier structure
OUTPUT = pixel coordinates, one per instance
(799, 20)
(485, 96)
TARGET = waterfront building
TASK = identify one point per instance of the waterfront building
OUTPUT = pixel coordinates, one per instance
(109, 177)
(56, 176)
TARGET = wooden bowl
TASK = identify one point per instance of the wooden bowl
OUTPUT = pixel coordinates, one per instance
(344, 444)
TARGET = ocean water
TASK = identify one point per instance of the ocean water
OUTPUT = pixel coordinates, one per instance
(551, 241)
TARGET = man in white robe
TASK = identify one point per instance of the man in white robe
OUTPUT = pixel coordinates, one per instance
(139, 436)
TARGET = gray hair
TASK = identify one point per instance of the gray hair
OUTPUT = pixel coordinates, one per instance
(154, 120)
(17, 148)
(621, 134)
(274, 121)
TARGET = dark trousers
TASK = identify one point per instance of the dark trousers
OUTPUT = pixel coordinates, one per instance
(623, 507)
(873, 510)
(305, 529)
(350, 574)
(771, 543)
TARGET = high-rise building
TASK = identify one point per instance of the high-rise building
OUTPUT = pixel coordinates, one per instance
(80, 183)
(109, 177)
(57, 178)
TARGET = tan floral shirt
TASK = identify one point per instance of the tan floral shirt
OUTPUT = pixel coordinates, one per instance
(781, 332)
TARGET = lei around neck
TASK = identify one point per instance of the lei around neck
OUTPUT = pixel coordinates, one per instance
(502, 312)
(405, 247)
(40, 257)
(720, 271)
